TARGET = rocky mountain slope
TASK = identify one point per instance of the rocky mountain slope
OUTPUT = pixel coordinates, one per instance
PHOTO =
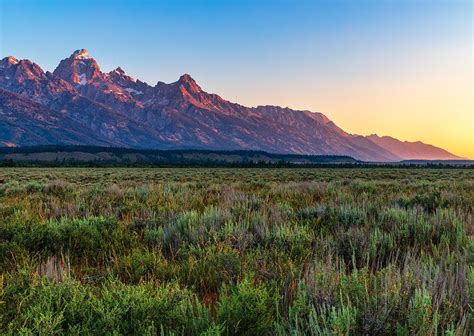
(80, 104)
(412, 150)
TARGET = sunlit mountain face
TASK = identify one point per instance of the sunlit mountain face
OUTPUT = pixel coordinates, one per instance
(80, 104)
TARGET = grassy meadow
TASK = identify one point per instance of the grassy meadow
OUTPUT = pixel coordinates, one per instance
(216, 251)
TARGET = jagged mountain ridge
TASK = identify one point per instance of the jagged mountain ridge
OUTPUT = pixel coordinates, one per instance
(115, 109)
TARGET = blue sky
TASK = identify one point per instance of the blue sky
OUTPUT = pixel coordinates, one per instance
(372, 66)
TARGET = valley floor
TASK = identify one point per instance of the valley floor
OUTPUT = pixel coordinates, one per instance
(236, 251)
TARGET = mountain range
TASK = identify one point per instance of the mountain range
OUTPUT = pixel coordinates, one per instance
(78, 104)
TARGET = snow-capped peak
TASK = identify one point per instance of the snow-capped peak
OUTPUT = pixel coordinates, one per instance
(81, 54)
(11, 60)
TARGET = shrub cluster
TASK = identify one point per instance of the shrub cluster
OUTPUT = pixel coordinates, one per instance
(236, 252)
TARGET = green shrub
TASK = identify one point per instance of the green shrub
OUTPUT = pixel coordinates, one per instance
(293, 239)
(246, 309)
(71, 308)
(421, 319)
(305, 318)
(145, 308)
(207, 269)
(88, 237)
(428, 200)
(142, 265)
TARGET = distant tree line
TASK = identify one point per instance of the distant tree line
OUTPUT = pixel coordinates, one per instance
(183, 158)
(217, 164)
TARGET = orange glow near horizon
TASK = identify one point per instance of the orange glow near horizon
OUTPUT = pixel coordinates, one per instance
(437, 111)
(424, 98)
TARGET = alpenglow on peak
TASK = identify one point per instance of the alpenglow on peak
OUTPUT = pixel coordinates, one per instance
(81, 54)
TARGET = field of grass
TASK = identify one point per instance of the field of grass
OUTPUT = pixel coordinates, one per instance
(363, 251)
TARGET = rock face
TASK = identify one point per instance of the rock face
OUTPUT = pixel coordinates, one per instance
(80, 104)
(79, 69)
(26, 122)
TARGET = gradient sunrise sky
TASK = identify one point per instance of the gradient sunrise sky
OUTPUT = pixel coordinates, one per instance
(400, 68)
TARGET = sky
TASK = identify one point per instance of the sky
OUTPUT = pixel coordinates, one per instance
(392, 67)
